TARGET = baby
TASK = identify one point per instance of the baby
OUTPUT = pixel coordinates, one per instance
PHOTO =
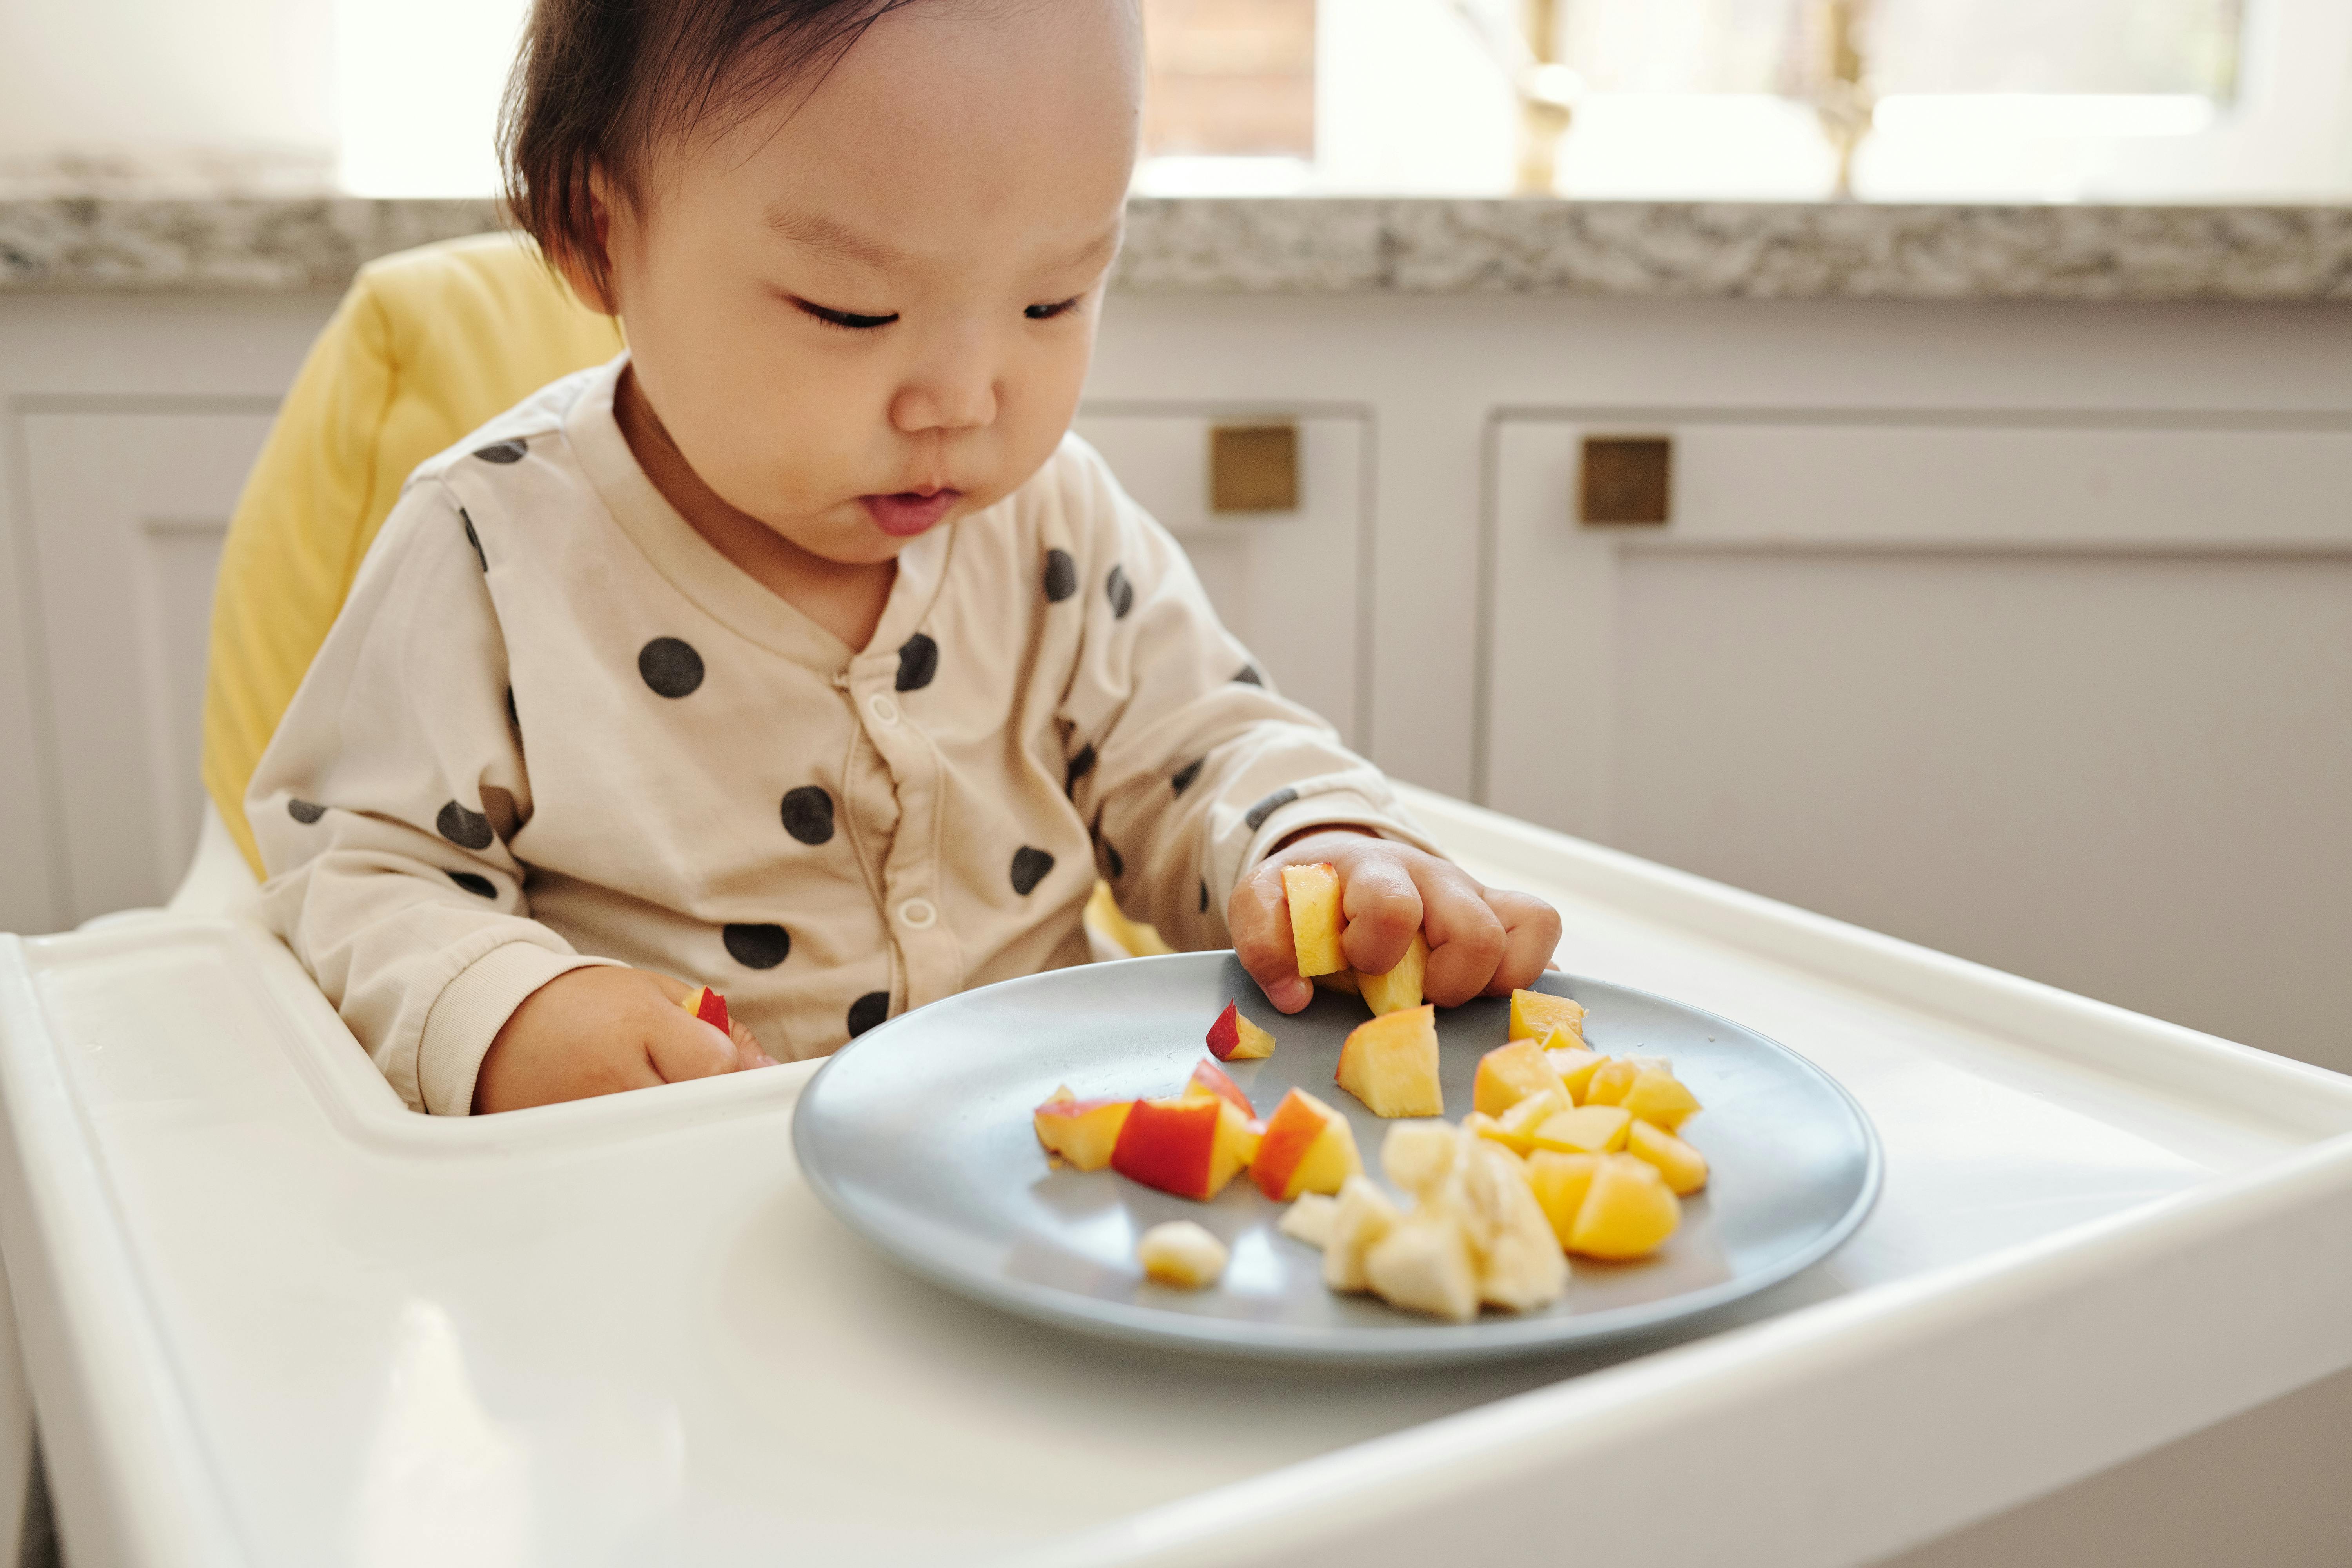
(800, 651)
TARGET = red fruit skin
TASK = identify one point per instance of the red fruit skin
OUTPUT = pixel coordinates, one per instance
(1225, 1034)
(1290, 1131)
(713, 1010)
(1167, 1144)
(1213, 1077)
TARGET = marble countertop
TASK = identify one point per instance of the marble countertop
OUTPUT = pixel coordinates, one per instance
(1317, 244)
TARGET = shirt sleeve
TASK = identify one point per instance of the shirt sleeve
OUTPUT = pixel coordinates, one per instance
(1187, 762)
(383, 806)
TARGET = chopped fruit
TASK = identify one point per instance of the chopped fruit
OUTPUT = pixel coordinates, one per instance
(1486, 1127)
(1339, 980)
(1610, 1081)
(1519, 1124)
(1363, 1217)
(1210, 1079)
(1399, 988)
(1420, 1155)
(1390, 1063)
(1628, 1212)
(1575, 1066)
(1190, 1147)
(1313, 894)
(1660, 1098)
(1535, 1014)
(1510, 1074)
(1425, 1266)
(1180, 1252)
(707, 1006)
(1307, 1148)
(1684, 1167)
(1519, 1262)
(1561, 1182)
(1310, 1219)
(1082, 1131)
(1587, 1130)
(1234, 1038)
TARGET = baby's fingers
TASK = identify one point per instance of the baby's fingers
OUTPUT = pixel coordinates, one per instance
(1466, 937)
(1531, 935)
(688, 1047)
(749, 1053)
(1260, 922)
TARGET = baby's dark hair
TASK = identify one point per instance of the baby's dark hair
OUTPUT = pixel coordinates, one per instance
(599, 83)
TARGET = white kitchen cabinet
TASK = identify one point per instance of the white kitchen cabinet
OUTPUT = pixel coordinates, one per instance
(2068, 695)
(1293, 585)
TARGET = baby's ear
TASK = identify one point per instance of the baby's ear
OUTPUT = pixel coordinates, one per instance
(589, 273)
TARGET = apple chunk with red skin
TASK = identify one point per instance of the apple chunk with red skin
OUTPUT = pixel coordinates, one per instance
(1190, 1147)
(1210, 1079)
(707, 1006)
(1307, 1148)
(1234, 1038)
(1081, 1132)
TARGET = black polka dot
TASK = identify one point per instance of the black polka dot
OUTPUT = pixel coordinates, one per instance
(1118, 862)
(758, 947)
(918, 660)
(501, 452)
(1181, 780)
(1121, 591)
(670, 666)
(478, 886)
(1248, 676)
(305, 811)
(1205, 897)
(1268, 806)
(1029, 868)
(466, 829)
(1080, 766)
(867, 1011)
(473, 539)
(1060, 576)
(808, 813)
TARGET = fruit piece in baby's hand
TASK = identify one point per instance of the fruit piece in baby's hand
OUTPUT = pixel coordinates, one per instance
(1399, 988)
(1190, 1147)
(1390, 1063)
(1510, 1074)
(1684, 1167)
(1535, 1014)
(1309, 1219)
(1082, 1131)
(1629, 1212)
(1313, 894)
(1209, 1078)
(707, 1006)
(1587, 1130)
(1180, 1252)
(1307, 1148)
(1234, 1038)
(1660, 1098)
(1364, 1215)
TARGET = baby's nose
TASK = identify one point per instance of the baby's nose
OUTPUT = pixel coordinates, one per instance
(946, 402)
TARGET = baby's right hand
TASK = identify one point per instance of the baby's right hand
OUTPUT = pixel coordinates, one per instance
(602, 1030)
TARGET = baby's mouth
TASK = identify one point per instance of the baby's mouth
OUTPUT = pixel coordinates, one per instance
(909, 512)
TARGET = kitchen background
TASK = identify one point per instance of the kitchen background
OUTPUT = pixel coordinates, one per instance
(1893, 458)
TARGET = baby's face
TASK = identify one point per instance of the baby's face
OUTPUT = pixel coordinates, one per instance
(871, 314)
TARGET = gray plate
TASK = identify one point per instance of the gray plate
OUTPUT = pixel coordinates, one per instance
(917, 1136)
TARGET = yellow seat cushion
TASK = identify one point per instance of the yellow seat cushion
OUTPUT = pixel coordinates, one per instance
(425, 345)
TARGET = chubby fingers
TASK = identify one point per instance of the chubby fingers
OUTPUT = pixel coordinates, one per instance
(1259, 917)
(681, 1047)
(1381, 903)
(749, 1052)
(1467, 937)
(1531, 937)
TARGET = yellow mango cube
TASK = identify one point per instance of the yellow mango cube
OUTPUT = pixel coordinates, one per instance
(1535, 1014)
(1587, 1130)
(1660, 1098)
(1608, 1082)
(1561, 1182)
(1628, 1212)
(1684, 1167)
(1510, 1074)
(1516, 1129)
(1575, 1066)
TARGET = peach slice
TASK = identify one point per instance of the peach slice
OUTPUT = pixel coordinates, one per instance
(1534, 1014)
(1190, 1147)
(1210, 1079)
(1390, 1063)
(1610, 1081)
(1684, 1167)
(1425, 1265)
(1313, 895)
(707, 1006)
(1575, 1066)
(1399, 988)
(1628, 1212)
(1587, 1130)
(1660, 1098)
(1510, 1074)
(1179, 1252)
(1082, 1131)
(1363, 1217)
(1560, 1182)
(1307, 1148)
(1234, 1038)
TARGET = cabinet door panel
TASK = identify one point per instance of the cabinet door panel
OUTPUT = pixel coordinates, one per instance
(1959, 696)
(1290, 584)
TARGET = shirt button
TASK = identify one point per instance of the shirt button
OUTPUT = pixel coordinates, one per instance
(884, 712)
(917, 914)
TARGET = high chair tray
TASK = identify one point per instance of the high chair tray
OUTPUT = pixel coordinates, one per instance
(271, 1318)
(918, 1135)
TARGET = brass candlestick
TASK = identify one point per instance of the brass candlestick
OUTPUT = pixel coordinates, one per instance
(1840, 94)
(1528, 56)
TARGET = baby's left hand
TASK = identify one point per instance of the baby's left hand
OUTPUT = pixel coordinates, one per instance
(1482, 942)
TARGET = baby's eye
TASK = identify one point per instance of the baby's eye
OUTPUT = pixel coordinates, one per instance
(1047, 313)
(844, 319)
